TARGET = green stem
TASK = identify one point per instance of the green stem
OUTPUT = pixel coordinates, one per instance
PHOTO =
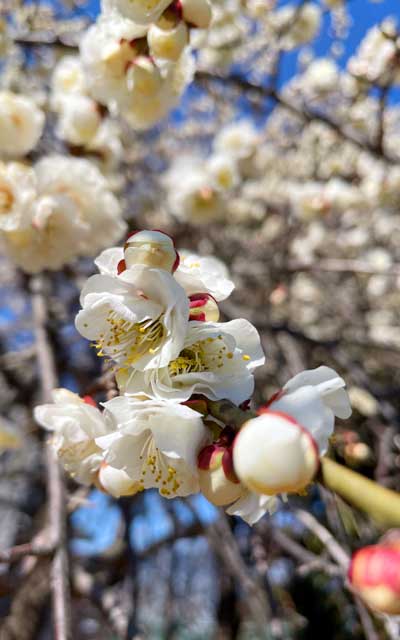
(229, 413)
(380, 503)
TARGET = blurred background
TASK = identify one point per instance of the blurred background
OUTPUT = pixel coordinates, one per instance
(307, 220)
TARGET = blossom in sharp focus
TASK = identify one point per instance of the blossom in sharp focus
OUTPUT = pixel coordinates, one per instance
(155, 444)
(18, 190)
(279, 450)
(138, 319)
(198, 274)
(75, 425)
(217, 360)
(221, 486)
(21, 124)
(151, 248)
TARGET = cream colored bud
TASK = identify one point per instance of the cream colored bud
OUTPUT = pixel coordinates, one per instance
(116, 482)
(273, 454)
(197, 13)
(167, 42)
(152, 248)
(217, 480)
(143, 76)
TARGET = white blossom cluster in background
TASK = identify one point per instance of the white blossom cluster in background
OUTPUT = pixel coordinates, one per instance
(56, 210)
(199, 189)
(154, 314)
(137, 57)
(81, 121)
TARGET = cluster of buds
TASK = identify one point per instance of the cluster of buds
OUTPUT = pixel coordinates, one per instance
(154, 312)
(137, 56)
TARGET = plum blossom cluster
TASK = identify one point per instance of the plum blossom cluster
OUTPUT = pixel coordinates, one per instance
(82, 122)
(199, 189)
(137, 59)
(56, 210)
(153, 312)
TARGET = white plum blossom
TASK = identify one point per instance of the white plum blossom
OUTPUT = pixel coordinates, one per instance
(77, 185)
(155, 444)
(108, 48)
(75, 425)
(279, 450)
(138, 318)
(223, 170)
(68, 78)
(251, 506)
(167, 41)
(301, 30)
(79, 119)
(21, 124)
(142, 12)
(203, 274)
(72, 213)
(122, 74)
(18, 190)
(376, 59)
(238, 139)
(217, 360)
(191, 192)
(321, 76)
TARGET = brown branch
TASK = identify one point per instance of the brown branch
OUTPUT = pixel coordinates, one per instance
(55, 484)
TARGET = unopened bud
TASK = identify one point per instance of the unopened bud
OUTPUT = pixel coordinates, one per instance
(375, 574)
(197, 13)
(116, 482)
(273, 454)
(203, 307)
(167, 42)
(218, 481)
(357, 453)
(143, 76)
(152, 248)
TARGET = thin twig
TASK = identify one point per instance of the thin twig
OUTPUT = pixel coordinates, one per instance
(55, 484)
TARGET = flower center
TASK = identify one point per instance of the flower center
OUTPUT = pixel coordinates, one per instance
(6, 199)
(128, 341)
(155, 464)
(205, 355)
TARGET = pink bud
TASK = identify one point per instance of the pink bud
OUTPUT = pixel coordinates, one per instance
(375, 573)
(203, 308)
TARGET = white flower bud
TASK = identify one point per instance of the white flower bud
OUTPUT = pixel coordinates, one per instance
(217, 479)
(143, 76)
(116, 482)
(273, 454)
(167, 41)
(152, 248)
(197, 13)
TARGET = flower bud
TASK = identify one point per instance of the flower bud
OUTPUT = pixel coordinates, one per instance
(273, 454)
(217, 479)
(116, 482)
(144, 76)
(375, 573)
(167, 41)
(152, 248)
(197, 13)
(203, 307)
